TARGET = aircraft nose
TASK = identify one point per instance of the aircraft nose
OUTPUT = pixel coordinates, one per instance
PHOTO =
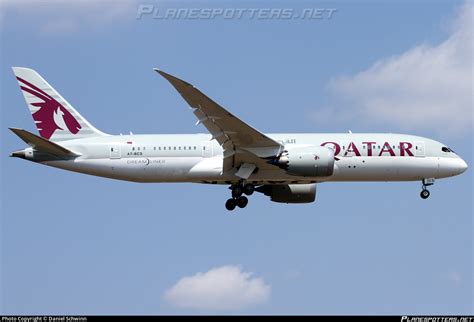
(462, 166)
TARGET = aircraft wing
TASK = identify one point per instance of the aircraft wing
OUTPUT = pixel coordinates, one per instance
(241, 142)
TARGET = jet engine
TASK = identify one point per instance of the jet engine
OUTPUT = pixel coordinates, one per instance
(312, 161)
(289, 193)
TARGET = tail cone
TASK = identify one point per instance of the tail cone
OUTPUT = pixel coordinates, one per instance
(18, 154)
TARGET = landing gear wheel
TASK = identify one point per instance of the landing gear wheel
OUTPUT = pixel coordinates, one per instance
(424, 194)
(242, 201)
(249, 189)
(236, 191)
(230, 204)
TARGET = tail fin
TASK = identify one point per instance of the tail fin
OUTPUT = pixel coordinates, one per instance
(55, 118)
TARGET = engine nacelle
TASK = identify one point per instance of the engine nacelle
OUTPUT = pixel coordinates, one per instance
(312, 161)
(289, 193)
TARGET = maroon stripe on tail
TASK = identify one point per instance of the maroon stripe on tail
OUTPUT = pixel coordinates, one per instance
(32, 92)
(33, 87)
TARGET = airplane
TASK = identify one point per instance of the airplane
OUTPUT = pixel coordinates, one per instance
(285, 167)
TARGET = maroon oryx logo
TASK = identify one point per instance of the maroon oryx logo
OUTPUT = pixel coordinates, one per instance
(50, 109)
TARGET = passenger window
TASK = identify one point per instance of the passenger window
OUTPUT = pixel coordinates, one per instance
(133, 149)
(138, 148)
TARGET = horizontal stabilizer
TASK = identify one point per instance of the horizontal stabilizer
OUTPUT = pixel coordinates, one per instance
(43, 145)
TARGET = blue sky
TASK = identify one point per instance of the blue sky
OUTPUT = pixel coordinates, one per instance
(75, 244)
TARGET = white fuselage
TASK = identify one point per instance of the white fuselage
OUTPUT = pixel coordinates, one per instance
(197, 158)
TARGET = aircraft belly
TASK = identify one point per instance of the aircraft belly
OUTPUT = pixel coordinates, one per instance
(197, 169)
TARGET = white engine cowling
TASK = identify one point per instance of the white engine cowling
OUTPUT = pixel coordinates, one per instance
(312, 161)
(290, 193)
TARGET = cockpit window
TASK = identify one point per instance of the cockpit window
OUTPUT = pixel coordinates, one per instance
(445, 149)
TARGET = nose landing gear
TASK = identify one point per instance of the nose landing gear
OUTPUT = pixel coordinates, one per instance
(238, 200)
(424, 194)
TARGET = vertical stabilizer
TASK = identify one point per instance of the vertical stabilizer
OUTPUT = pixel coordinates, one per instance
(55, 118)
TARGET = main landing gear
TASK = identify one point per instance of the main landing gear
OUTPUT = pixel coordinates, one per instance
(424, 194)
(238, 200)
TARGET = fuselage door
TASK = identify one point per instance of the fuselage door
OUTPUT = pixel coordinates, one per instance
(206, 149)
(419, 149)
(115, 152)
